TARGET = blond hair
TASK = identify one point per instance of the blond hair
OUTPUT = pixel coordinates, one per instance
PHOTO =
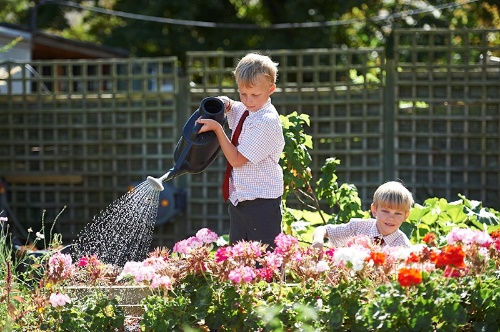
(254, 66)
(393, 194)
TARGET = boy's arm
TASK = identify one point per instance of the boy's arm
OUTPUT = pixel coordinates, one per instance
(233, 156)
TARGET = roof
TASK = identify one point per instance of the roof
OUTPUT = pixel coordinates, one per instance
(46, 46)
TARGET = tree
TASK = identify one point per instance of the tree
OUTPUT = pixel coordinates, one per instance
(147, 28)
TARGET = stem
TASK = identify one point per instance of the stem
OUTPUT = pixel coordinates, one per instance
(43, 229)
(313, 198)
(54, 223)
(8, 281)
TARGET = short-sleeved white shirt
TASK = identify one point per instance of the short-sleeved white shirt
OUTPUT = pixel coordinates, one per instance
(261, 141)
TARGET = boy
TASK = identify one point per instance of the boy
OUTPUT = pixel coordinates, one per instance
(254, 183)
(391, 206)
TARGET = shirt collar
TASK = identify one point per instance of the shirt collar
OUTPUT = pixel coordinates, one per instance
(264, 107)
(388, 239)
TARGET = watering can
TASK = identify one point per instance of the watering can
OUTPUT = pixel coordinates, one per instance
(195, 152)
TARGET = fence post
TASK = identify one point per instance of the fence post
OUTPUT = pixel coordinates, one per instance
(388, 111)
(183, 114)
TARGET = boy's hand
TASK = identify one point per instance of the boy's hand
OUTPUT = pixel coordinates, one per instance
(228, 103)
(317, 245)
(208, 125)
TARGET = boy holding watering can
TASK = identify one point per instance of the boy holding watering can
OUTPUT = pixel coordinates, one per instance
(254, 184)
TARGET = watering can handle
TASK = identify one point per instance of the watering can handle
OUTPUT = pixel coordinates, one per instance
(195, 131)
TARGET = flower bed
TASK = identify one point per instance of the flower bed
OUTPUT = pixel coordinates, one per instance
(245, 287)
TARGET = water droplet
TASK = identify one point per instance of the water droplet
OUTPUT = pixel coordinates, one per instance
(123, 231)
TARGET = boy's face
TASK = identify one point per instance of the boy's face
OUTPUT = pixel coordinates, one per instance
(255, 96)
(388, 219)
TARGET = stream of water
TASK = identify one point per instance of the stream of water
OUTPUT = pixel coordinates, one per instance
(123, 231)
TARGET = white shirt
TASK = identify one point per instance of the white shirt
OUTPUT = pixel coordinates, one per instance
(340, 234)
(261, 142)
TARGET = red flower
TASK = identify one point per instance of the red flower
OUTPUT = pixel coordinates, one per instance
(451, 256)
(452, 272)
(409, 277)
(377, 257)
(413, 258)
(430, 238)
(265, 273)
(495, 235)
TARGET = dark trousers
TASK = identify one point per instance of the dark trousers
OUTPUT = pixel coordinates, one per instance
(256, 220)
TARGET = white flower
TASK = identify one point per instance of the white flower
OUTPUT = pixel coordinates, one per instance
(40, 236)
(355, 255)
(221, 242)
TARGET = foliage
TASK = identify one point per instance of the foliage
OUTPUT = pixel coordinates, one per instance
(440, 217)
(435, 215)
(33, 284)
(298, 177)
(95, 312)
(346, 24)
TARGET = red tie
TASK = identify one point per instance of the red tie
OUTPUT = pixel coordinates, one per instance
(378, 240)
(229, 168)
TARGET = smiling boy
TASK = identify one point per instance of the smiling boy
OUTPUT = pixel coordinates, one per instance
(390, 208)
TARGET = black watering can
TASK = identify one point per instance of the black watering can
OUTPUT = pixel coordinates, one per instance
(195, 152)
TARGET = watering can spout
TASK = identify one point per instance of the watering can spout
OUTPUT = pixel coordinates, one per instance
(156, 183)
(195, 152)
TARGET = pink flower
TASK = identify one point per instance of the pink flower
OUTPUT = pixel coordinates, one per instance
(330, 252)
(185, 246)
(285, 243)
(161, 282)
(60, 266)
(497, 244)
(157, 263)
(238, 249)
(240, 274)
(265, 273)
(235, 276)
(58, 299)
(273, 260)
(193, 242)
(246, 249)
(222, 254)
(206, 236)
(83, 261)
(181, 247)
(92, 260)
(298, 255)
(248, 274)
(469, 236)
